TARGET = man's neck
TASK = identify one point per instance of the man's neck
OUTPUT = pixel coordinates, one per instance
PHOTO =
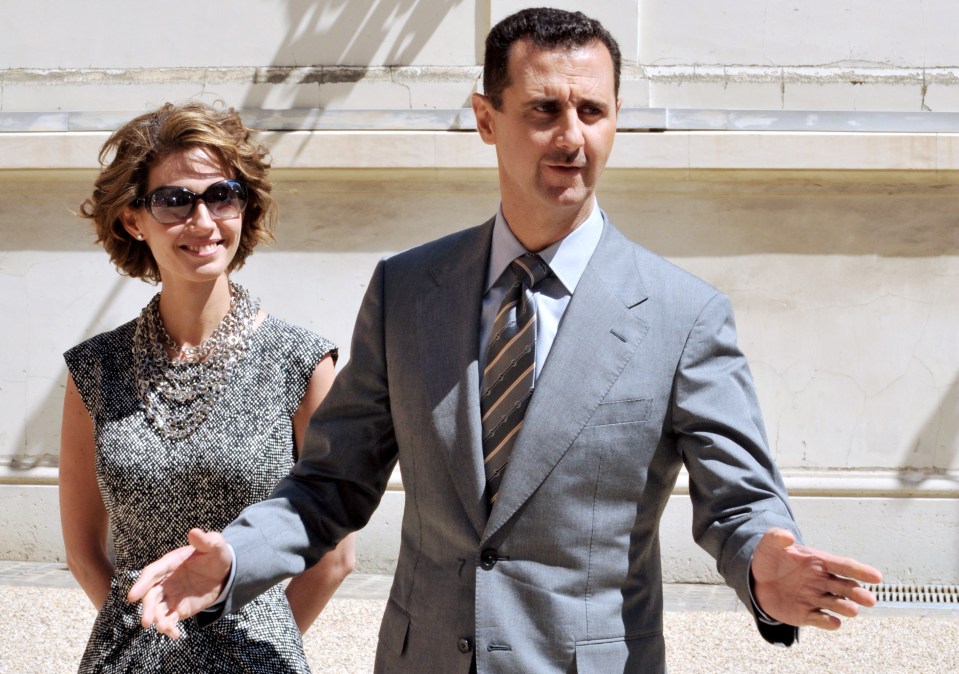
(536, 232)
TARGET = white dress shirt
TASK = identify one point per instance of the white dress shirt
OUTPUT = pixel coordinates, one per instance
(567, 259)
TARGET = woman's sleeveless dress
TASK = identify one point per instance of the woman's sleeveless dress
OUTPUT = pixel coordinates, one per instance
(156, 489)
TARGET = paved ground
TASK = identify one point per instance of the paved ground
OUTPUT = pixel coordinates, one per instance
(45, 619)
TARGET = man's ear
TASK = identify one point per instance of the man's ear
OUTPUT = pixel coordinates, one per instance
(483, 111)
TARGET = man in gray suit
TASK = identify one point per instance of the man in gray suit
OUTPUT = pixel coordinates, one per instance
(530, 533)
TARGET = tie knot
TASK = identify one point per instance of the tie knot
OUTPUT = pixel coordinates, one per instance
(530, 269)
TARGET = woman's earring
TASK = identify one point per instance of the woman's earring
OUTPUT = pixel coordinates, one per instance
(139, 237)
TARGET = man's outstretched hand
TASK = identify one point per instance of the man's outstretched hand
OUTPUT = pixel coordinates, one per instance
(796, 585)
(183, 582)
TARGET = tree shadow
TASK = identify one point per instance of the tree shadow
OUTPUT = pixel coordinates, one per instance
(349, 33)
(333, 35)
(329, 44)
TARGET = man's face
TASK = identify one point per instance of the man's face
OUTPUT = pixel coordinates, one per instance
(553, 132)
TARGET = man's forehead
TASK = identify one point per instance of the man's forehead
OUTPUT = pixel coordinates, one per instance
(530, 64)
(527, 49)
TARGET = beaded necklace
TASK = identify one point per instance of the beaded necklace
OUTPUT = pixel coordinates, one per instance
(177, 394)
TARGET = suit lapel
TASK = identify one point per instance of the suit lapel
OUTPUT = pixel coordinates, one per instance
(448, 318)
(598, 335)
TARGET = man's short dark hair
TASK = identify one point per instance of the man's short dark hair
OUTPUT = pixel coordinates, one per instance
(545, 28)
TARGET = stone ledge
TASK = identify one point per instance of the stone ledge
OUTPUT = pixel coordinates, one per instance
(670, 150)
(462, 119)
(837, 483)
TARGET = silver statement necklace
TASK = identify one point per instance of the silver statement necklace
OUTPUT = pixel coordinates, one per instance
(177, 394)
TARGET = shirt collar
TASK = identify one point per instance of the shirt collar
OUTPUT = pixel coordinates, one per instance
(567, 258)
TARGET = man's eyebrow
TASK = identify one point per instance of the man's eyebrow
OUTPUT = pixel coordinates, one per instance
(539, 100)
(590, 102)
(594, 103)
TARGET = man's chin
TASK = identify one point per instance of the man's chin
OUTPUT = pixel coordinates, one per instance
(569, 196)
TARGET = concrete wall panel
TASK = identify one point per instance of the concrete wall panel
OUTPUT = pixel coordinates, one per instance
(820, 33)
(177, 33)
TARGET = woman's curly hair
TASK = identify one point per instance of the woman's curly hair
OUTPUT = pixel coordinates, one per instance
(133, 149)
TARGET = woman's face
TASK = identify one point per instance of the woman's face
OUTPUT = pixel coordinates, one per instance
(200, 246)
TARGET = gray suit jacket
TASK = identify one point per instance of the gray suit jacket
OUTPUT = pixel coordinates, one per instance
(564, 574)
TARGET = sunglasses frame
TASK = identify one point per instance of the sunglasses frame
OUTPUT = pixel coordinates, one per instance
(146, 201)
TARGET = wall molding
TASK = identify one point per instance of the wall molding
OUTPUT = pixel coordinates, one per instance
(669, 150)
(462, 119)
(835, 483)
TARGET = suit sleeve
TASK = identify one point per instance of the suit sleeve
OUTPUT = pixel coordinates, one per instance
(736, 489)
(343, 470)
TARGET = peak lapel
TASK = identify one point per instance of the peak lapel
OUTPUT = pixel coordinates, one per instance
(598, 335)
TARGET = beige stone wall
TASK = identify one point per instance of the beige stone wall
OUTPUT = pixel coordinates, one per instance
(851, 55)
(845, 290)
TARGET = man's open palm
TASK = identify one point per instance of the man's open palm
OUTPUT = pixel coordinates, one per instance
(796, 584)
(183, 582)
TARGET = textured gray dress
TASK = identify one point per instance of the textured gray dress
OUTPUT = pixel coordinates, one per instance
(156, 489)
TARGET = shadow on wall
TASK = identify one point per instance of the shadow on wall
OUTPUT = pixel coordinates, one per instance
(359, 29)
(349, 33)
(937, 444)
(672, 216)
(381, 211)
(725, 213)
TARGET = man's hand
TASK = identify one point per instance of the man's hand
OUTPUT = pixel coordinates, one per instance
(183, 582)
(796, 585)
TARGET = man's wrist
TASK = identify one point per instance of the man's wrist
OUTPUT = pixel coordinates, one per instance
(227, 586)
(757, 609)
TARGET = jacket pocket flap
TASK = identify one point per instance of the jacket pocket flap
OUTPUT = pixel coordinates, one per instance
(622, 654)
(395, 628)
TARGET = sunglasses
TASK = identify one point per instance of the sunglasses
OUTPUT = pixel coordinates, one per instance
(170, 205)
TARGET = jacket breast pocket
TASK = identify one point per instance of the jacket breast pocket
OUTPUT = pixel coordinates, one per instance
(621, 412)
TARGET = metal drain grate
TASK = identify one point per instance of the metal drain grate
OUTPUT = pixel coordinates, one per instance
(940, 596)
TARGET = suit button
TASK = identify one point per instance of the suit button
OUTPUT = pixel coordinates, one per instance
(488, 559)
(464, 645)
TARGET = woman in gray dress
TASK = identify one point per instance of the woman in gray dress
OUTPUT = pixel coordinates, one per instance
(195, 409)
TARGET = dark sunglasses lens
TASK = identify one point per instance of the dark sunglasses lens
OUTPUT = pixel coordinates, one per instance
(225, 199)
(171, 204)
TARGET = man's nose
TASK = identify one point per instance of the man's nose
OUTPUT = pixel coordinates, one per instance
(570, 134)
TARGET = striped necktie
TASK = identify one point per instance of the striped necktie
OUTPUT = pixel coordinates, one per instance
(510, 366)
